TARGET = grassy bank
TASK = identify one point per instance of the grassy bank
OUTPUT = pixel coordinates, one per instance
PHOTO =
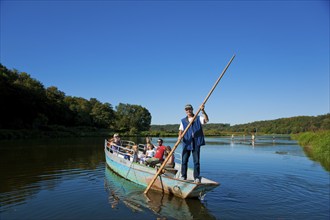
(317, 145)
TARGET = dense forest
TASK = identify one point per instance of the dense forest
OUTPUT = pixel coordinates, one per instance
(27, 105)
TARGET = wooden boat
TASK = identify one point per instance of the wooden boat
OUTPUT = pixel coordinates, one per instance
(168, 182)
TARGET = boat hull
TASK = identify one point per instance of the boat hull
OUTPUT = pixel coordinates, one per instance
(167, 183)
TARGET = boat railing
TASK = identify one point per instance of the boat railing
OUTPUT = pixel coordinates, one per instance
(177, 157)
(125, 143)
(178, 161)
(141, 147)
(123, 150)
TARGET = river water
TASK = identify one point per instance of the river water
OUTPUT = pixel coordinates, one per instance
(68, 179)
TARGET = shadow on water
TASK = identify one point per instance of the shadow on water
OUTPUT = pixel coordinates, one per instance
(132, 195)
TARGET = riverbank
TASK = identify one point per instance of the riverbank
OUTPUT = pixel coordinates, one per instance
(53, 132)
(316, 145)
(57, 131)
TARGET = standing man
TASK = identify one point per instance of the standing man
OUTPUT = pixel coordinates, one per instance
(192, 141)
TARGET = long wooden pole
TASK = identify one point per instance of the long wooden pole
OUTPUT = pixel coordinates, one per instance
(185, 131)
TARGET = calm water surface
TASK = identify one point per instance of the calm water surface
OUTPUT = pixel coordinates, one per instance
(68, 179)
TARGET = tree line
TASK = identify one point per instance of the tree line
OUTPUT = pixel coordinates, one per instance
(27, 104)
(291, 125)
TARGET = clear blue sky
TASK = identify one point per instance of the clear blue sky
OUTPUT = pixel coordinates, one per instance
(164, 54)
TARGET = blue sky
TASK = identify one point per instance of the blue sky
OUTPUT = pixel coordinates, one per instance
(164, 54)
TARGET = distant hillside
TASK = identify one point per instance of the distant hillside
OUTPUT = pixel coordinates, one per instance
(290, 125)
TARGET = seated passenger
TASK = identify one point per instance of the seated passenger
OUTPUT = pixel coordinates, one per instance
(170, 163)
(159, 156)
(116, 139)
(148, 142)
(135, 149)
(149, 153)
(115, 142)
(109, 142)
(128, 153)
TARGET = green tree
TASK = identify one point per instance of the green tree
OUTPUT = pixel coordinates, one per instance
(22, 99)
(81, 109)
(132, 118)
(59, 111)
(55, 95)
(103, 115)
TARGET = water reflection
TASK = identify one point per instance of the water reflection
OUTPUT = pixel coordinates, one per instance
(29, 166)
(59, 178)
(325, 164)
(257, 141)
(163, 205)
